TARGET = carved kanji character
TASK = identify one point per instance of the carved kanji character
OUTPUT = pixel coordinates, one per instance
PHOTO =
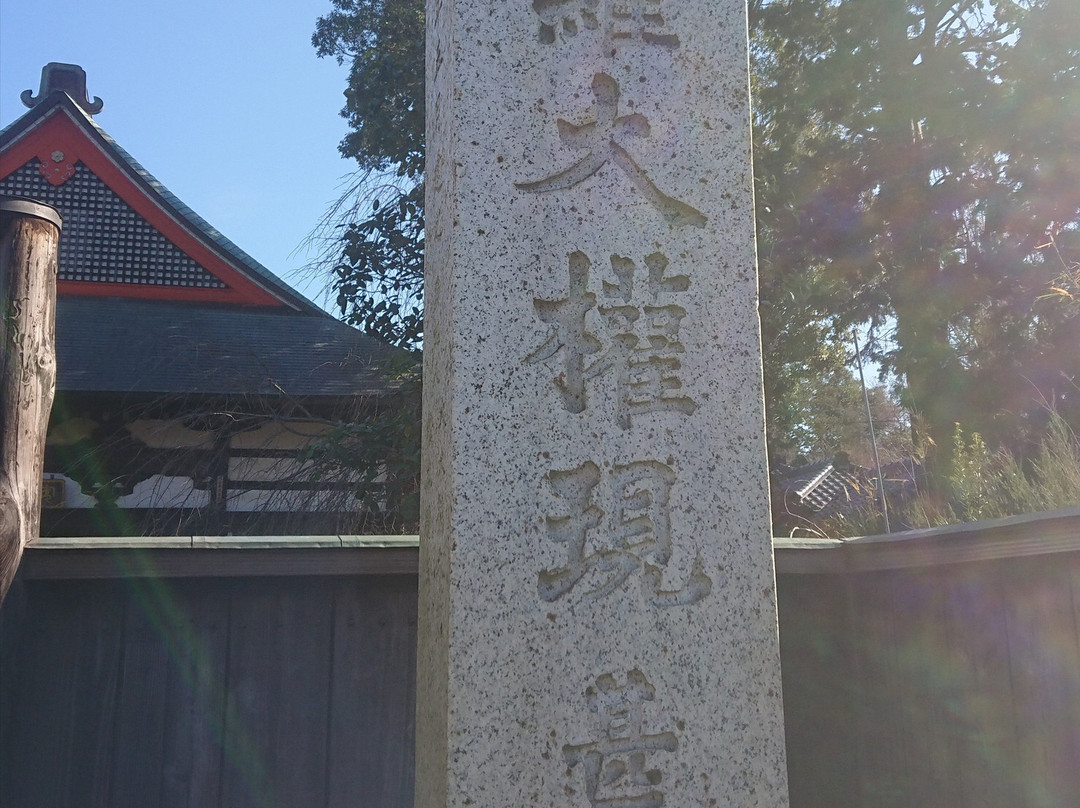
(644, 347)
(575, 486)
(570, 334)
(642, 21)
(565, 17)
(615, 766)
(602, 140)
(639, 532)
(640, 348)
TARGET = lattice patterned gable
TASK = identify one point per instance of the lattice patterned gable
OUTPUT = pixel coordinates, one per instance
(105, 240)
(145, 243)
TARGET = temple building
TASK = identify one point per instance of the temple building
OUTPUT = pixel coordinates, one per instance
(195, 390)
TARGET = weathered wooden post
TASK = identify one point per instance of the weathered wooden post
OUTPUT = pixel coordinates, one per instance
(29, 240)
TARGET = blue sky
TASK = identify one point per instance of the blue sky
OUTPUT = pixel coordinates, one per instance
(224, 102)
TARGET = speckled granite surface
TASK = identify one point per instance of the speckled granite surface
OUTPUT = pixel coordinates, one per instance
(598, 619)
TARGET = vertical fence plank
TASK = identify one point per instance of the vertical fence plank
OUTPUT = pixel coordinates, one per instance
(14, 630)
(931, 682)
(885, 756)
(1044, 661)
(299, 729)
(195, 707)
(398, 709)
(818, 681)
(982, 717)
(278, 694)
(372, 719)
(44, 705)
(405, 753)
(62, 698)
(98, 693)
(254, 642)
(141, 713)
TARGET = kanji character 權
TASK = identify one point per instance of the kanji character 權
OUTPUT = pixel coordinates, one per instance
(567, 315)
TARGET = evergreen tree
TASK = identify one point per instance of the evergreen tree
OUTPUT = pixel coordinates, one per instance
(917, 169)
(912, 159)
(379, 272)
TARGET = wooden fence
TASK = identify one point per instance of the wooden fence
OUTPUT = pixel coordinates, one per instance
(938, 669)
(245, 687)
(932, 669)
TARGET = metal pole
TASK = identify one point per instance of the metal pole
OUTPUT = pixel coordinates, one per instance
(873, 436)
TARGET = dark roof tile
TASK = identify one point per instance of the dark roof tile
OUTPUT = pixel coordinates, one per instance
(136, 346)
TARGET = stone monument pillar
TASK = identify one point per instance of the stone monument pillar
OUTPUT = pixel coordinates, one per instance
(598, 614)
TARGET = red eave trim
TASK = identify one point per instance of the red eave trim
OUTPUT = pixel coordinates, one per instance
(58, 132)
(148, 291)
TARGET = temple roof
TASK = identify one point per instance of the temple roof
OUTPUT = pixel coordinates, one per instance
(57, 154)
(151, 298)
(175, 347)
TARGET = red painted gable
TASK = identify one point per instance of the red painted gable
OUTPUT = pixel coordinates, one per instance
(59, 142)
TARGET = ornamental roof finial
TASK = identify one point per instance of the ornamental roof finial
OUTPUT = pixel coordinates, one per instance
(63, 78)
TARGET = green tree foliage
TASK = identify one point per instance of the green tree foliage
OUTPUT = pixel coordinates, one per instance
(803, 352)
(379, 454)
(383, 43)
(983, 484)
(917, 167)
(379, 277)
(379, 272)
(834, 420)
(913, 157)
